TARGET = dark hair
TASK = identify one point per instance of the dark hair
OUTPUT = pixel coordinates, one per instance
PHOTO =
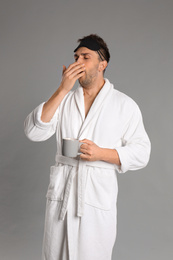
(104, 48)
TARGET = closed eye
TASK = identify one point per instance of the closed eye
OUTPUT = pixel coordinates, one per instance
(85, 56)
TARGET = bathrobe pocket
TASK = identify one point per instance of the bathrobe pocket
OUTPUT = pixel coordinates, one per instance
(101, 188)
(58, 178)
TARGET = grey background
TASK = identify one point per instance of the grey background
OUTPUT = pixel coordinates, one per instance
(37, 38)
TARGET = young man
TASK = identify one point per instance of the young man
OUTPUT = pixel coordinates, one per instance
(80, 221)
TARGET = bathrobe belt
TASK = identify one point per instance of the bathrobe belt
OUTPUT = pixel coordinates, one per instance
(81, 169)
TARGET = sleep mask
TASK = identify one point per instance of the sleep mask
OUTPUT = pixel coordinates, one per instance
(92, 45)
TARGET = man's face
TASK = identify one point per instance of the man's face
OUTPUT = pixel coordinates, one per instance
(91, 61)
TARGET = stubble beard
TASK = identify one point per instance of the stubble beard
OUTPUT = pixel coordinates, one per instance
(87, 79)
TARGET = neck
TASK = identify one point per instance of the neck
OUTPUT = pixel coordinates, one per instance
(93, 89)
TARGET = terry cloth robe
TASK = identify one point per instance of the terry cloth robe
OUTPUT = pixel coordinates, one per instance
(81, 212)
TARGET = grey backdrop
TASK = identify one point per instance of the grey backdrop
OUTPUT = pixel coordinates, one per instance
(37, 38)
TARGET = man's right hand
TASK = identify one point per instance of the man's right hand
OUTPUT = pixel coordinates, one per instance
(71, 74)
(69, 77)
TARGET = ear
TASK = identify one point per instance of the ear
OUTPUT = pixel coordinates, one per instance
(103, 64)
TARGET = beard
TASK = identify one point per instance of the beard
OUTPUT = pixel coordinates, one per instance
(85, 80)
(88, 78)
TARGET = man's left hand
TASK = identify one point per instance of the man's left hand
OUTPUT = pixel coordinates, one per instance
(90, 151)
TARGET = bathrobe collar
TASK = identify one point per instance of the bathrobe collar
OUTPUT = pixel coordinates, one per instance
(100, 99)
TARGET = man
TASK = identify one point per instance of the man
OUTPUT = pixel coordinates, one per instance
(80, 221)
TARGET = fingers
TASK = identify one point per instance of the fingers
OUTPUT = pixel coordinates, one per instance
(85, 157)
(64, 69)
(84, 148)
(78, 75)
(69, 67)
(74, 71)
(89, 150)
(72, 67)
(86, 141)
(71, 74)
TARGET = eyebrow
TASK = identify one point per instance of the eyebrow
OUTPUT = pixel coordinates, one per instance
(75, 55)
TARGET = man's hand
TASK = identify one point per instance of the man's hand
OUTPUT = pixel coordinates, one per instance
(69, 77)
(71, 74)
(90, 151)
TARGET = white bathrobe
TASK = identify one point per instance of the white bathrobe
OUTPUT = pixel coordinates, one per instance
(81, 214)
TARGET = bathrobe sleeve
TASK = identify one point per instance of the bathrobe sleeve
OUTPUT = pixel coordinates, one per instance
(135, 152)
(37, 130)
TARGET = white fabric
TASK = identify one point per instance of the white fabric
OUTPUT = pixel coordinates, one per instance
(81, 170)
(80, 220)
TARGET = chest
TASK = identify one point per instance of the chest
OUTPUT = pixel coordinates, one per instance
(103, 126)
(88, 101)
